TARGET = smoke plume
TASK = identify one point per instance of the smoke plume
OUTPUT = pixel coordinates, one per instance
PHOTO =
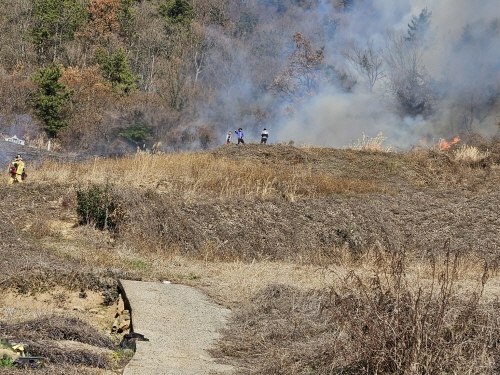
(453, 86)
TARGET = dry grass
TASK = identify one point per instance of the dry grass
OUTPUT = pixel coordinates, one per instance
(382, 323)
(469, 154)
(367, 143)
(300, 242)
(190, 176)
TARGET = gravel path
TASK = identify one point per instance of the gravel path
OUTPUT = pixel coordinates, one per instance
(180, 322)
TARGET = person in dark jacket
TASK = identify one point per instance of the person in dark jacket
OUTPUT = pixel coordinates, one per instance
(239, 134)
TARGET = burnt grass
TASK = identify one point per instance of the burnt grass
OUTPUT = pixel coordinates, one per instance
(422, 205)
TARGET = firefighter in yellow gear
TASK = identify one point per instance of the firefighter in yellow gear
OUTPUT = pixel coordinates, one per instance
(16, 170)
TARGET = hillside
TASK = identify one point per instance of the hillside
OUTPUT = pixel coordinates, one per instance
(251, 223)
(107, 76)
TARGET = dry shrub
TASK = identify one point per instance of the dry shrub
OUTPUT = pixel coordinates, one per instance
(56, 327)
(383, 324)
(469, 154)
(55, 369)
(41, 228)
(55, 354)
(44, 336)
(367, 143)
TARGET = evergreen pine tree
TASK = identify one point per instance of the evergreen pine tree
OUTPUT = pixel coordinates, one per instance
(177, 11)
(50, 99)
(419, 26)
(116, 70)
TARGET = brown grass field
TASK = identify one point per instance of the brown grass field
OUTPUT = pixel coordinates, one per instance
(353, 261)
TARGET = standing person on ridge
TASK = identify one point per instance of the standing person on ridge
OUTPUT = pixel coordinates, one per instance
(16, 170)
(263, 137)
(228, 138)
(239, 134)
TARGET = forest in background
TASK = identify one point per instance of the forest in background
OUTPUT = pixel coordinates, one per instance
(109, 76)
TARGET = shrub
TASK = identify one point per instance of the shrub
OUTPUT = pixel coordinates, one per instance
(138, 133)
(469, 153)
(6, 361)
(96, 205)
(387, 323)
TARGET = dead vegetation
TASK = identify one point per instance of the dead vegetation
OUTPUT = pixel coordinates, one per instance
(63, 369)
(381, 323)
(61, 340)
(56, 328)
(302, 243)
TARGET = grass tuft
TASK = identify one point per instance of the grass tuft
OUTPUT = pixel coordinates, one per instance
(469, 154)
(367, 143)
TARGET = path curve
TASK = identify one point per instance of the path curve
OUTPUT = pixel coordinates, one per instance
(181, 323)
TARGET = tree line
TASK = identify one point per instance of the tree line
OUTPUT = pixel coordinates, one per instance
(113, 75)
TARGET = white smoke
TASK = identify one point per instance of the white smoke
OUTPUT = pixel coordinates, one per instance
(462, 76)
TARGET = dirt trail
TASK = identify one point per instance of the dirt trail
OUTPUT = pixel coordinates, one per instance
(181, 324)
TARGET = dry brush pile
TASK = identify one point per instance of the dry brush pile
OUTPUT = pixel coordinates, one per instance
(44, 335)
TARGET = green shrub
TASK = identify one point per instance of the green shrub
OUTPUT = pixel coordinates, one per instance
(6, 361)
(96, 205)
(137, 133)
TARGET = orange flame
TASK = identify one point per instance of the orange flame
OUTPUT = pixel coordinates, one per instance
(444, 144)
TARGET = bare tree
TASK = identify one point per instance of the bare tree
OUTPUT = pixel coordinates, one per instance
(368, 63)
(301, 77)
(17, 53)
(475, 103)
(408, 80)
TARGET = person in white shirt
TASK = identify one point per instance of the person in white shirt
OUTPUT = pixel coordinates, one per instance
(264, 135)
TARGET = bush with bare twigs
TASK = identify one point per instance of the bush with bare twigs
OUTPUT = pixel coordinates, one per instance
(385, 323)
(43, 337)
(59, 369)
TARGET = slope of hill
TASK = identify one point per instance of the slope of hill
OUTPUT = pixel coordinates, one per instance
(251, 223)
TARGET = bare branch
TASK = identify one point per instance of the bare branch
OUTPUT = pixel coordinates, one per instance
(366, 62)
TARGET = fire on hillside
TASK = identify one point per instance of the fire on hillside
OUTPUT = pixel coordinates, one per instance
(444, 144)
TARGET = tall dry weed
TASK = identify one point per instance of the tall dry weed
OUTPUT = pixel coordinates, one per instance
(469, 154)
(383, 323)
(367, 143)
(191, 176)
